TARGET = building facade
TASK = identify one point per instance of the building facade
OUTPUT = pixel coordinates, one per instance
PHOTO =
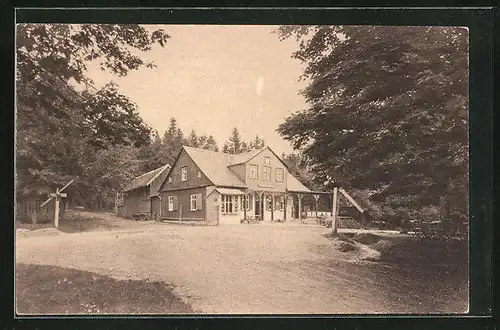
(141, 196)
(220, 188)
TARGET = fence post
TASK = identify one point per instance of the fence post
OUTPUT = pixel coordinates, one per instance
(334, 211)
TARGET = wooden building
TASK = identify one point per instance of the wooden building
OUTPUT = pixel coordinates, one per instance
(140, 197)
(216, 187)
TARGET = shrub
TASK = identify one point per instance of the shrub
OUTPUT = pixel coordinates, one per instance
(366, 238)
(347, 247)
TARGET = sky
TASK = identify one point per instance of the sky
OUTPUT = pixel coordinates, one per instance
(214, 78)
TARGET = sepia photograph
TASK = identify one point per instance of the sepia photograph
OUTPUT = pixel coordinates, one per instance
(241, 169)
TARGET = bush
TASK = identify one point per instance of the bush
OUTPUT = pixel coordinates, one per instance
(366, 238)
(347, 247)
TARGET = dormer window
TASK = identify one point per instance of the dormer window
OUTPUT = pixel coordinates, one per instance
(184, 173)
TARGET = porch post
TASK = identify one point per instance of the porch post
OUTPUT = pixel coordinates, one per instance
(316, 197)
(245, 205)
(284, 207)
(300, 207)
(262, 203)
(272, 206)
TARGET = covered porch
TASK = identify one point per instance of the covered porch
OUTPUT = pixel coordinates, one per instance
(272, 205)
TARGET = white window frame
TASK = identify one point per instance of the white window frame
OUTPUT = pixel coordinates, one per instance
(282, 203)
(170, 202)
(191, 200)
(229, 202)
(268, 178)
(245, 202)
(281, 176)
(184, 173)
(269, 203)
(254, 174)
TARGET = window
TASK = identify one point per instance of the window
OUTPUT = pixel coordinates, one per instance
(199, 175)
(269, 203)
(282, 203)
(229, 204)
(195, 202)
(170, 203)
(267, 173)
(169, 179)
(267, 160)
(279, 175)
(245, 202)
(236, 201)
(184, 173)
(254, 170)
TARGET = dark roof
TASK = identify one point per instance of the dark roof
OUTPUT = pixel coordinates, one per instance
(214, 166)
(145, 179)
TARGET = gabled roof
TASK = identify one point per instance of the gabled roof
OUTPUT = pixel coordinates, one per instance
(245, 156)
(145, 179)
(214, 166)
(294, 185)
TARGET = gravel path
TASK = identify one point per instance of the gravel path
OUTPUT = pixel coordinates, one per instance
(242, 269)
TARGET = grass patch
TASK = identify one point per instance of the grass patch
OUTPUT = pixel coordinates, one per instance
(57, 290)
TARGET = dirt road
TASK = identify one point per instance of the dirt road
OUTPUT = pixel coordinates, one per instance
(243, 269)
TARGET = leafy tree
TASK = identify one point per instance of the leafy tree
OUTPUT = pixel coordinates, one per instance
(59, 130)
(115, 119)
(387, 111)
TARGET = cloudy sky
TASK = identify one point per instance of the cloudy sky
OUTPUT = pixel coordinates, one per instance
(214, 78)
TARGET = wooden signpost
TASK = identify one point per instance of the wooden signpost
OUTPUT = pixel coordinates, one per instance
(57, 198)
(334, 210)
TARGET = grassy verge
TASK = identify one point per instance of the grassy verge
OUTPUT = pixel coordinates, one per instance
(56, 290)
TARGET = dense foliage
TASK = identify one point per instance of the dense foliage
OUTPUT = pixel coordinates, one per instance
(63, 133)
(387, 112)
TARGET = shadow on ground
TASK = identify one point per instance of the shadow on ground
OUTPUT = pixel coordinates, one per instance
(56, 290)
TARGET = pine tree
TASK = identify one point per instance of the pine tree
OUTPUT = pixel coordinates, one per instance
(211, 144)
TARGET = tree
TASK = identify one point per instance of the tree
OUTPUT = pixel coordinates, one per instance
(59, 130)
(234, 143)
(193, 140)
(387, 110)
(115, 119)
(173, 140)
(211, 144)
(256, 143)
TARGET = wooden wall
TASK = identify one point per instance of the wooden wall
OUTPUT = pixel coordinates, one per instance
(183, 198)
